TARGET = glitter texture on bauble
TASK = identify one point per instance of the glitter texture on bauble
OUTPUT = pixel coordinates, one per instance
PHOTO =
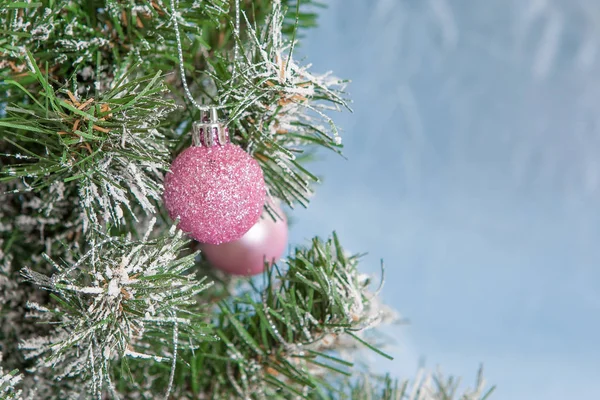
(217, 192)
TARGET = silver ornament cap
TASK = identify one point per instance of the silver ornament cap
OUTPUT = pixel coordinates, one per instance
(210, 131)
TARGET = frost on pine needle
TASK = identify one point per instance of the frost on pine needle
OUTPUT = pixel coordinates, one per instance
(109, 145)
(121, 299)
(125, 184)
(434, 386)
(30, 223)
(65, 36)
(87, 109)
(8, 384)
(300, 329)
(426, 385)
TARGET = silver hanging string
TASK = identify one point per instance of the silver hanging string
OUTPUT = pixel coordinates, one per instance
(186, 89)
(236, 47)
(236, 33)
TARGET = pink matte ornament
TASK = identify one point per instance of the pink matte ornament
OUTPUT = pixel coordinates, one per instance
(265, 241)
(217, 192)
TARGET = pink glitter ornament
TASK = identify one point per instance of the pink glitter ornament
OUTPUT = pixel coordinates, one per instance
(215, 188)
(265, 241)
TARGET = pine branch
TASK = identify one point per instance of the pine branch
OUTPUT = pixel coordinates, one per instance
(426, 386)
(289, 339)
(74, 36)
(51, 139)
(278, 107)
(31, 224)
(109, 145)
(88, 127)
(119, 301)
(8, 384)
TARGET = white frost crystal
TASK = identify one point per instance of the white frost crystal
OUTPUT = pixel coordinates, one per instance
(113, 302)
(8, 383)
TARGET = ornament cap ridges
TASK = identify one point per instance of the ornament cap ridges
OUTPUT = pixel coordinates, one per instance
(209, 131)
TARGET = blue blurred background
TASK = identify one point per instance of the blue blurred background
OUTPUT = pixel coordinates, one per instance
(474, 172)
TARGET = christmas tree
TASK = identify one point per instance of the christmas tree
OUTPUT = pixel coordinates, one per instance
(123, 273)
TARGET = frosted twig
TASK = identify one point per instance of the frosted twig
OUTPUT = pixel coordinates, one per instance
(104, 305)
(174, 360)
(236, 32)
(271, 323)
(233, 381)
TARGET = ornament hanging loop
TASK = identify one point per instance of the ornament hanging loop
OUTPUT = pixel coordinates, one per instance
(209, 131)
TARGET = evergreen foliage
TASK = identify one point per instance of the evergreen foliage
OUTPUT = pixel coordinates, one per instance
(100, 295)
